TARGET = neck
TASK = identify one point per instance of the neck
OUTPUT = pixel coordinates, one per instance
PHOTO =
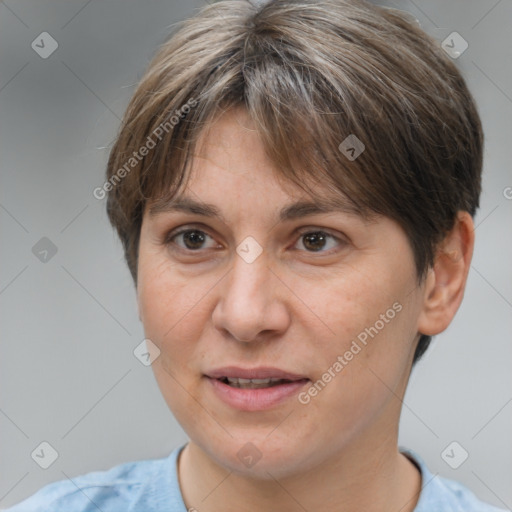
(370, 476)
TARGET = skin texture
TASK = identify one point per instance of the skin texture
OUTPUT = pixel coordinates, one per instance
(296, 309)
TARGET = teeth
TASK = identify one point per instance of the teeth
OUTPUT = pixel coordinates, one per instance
(253, 383)
(236, 380)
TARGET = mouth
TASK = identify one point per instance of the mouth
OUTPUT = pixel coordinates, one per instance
(254, 383)
(254, 389)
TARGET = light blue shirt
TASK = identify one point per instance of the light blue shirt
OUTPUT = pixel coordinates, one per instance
(152, 486)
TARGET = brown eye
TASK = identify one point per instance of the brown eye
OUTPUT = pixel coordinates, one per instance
(319, 241)
(192, 239)
(314, 241)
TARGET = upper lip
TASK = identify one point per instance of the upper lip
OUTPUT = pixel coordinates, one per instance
(261, 372)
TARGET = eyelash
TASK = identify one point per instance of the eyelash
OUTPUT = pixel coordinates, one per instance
(305, 231)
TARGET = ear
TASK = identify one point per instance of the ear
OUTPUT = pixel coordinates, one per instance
(446, 281)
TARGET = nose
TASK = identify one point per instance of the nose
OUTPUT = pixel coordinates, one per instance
(252, 303)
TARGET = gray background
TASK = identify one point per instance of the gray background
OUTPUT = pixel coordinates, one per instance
(70, 325)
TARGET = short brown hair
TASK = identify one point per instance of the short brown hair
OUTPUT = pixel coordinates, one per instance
(310, 73)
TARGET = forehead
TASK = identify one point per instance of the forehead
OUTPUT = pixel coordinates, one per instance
(211, 198)
(229, 163)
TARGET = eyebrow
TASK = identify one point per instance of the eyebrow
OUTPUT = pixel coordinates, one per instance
(292, 211)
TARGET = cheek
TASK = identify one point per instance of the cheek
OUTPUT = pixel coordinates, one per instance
(173, 309)
(371, 317)
(162, 298)
(173, 315)
(353, 302)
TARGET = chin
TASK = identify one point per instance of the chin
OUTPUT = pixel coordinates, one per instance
(260, 457)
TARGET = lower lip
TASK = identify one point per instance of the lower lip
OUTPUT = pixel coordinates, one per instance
(256, 399)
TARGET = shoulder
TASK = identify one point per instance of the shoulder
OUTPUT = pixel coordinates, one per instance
(129, 486)
(440, 494)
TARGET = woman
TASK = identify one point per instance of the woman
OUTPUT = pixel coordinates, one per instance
(294, 185)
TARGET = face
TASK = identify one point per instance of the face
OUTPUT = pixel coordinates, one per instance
(327, 302)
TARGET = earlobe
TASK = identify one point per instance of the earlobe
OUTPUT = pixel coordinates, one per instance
(446, 281)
